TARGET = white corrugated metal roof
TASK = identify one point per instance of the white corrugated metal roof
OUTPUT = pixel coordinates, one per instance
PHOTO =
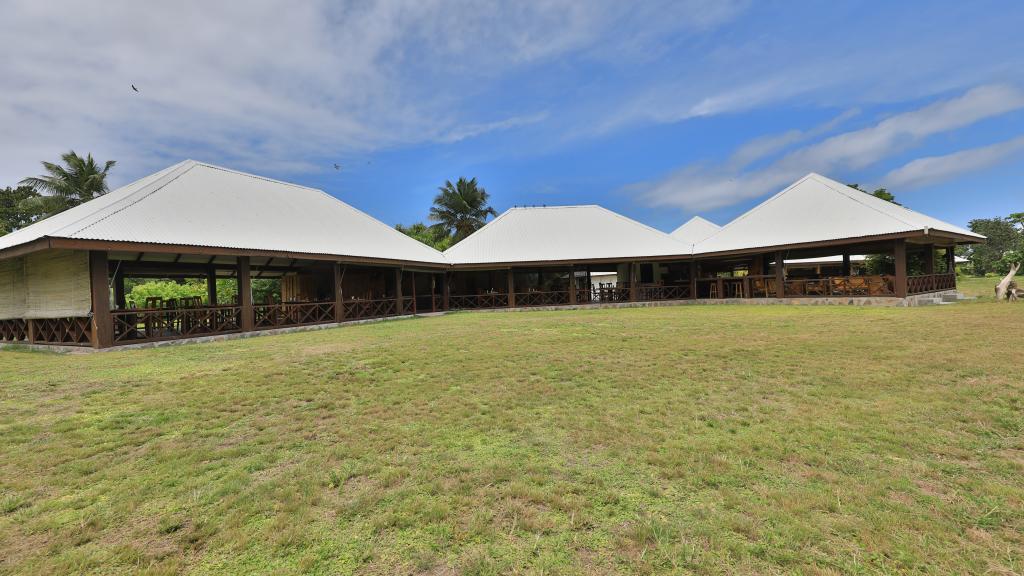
(817, 209)
(560, 233)
(196, 204)
(694, 230)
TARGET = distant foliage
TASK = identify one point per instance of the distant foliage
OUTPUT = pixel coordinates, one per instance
(878, 193)
(263, 290)
(434, 236)
(17, 208)
(1005, 244)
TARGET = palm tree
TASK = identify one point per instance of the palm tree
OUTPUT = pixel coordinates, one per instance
(77, 181)
(461, 208)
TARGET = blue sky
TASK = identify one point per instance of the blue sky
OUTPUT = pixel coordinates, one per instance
(658, 110)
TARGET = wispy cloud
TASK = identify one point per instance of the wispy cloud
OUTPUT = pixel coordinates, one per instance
(704, 187)
(270, 84)
(936, 169)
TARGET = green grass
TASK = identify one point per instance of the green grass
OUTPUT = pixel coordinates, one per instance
(982, 287)
(704, 439)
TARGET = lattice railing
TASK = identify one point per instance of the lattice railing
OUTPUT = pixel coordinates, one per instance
(408, 305)
(152, 324)
(361, 309)
(292, 314)
(604, 294)
(930, 283)
(841, 286)
(551, 298)
(475, 301)
(676, 292)
(74, 331)
(14, 330)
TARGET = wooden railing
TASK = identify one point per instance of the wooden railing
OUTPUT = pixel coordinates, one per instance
(152, 324)
(268, 316)
(762, 286)
(538, 298)
(75, 331)
(584, 295)
(841, 286)
(676, 292)
(14, 330)
(931, 283)
(476, 301)
(607, 293)
(362, 309)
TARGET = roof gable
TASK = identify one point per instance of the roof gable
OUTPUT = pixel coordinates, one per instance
(694, 230)
(818, 209)
(196, 204)
(562, 233)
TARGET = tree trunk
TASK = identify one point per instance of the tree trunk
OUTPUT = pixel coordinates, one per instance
(1004, 286)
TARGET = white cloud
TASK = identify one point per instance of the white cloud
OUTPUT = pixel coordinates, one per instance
(271, 85)
(936, 169)
(704, 187)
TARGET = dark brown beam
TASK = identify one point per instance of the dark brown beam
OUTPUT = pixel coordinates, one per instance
(511, 289)
(211, 286)
(929, 259)
(102, 321)
(245, 294)
(398, 291)
(339, 297)
(900, 258)
(780, 274)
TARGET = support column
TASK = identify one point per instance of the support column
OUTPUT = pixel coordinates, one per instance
(929, 259)
(102, 321)
(119, 297)
(846, 263)
(633, 275)
(445, 290)
(30, 327)
(339, 296)
(951, 259)
(398, 291)
(245, 294)
(511, 289)
(693, 279)
(211, 285)
(899, 251)
(780, 275)
(414, 308)
(572, 285)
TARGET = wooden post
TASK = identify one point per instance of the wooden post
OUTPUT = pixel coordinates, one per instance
(846, 263)
(31, 330)
(119, 297)
(780, 275)
(899, 250)
(929, 259)
(445, 290)
(398, 291)
(211, 285)
(245, 294)
(633, 275)
(951, 259)
(511, 289)
(572, 285)
(414, 308)
(721, 287)
(102, 321)
(693, 279)
(339, 296)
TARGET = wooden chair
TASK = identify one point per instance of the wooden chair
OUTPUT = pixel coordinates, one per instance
(713, 290)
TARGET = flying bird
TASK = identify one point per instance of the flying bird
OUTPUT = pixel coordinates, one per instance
(337, 166)
(134, 88)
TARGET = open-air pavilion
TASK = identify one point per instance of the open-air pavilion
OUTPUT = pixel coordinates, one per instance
(63, 281)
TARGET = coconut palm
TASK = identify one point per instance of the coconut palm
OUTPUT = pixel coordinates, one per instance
(78, 180)
(461, 208)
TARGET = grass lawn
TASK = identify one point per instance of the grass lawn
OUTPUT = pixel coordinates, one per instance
(705, 439)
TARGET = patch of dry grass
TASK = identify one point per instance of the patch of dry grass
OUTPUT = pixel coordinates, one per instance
(712, 439)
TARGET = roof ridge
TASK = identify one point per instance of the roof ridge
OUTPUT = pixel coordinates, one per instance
(641, 224)
(480, 229)
(251, 175)
(772, 198)
(828, 183)
(177, 170)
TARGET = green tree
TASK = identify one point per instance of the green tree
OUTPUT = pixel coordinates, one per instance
(65, 186)
(461, 208)
(878, 193)
(16, 208)
(434, 236)
(1005, 242)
